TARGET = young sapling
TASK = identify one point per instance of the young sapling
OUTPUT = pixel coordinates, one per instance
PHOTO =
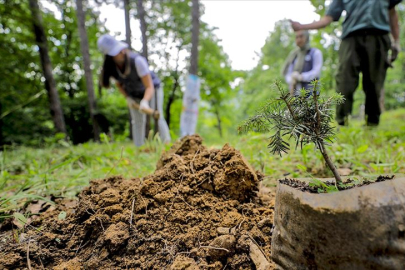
(305, 118)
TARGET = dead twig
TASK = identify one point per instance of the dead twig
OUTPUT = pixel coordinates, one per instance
(258, 246)
(132, 213)
(240, 224)
(101, 223)
(80, 246)
(181, 198)
(28, 255)
(206, 178)
(191, 163)
(218, 248)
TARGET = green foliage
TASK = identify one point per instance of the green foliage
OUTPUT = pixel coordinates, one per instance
(28, 118)
(304, 118)
(62, 169)
(273, 54)
(216, 77)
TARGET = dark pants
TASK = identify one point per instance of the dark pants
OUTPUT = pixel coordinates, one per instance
(365, 53)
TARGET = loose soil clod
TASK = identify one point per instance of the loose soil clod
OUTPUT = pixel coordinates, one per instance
(199, 210)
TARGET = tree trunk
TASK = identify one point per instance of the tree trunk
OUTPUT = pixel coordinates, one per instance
(1, 127)
(219, 126)
(144, 27)
(127, 23)
(50, 85)
(195, 37)
(128, 36)
(171, 100)
(84, 47)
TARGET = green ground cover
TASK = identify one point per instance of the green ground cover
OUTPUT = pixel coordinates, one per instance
(60, 169)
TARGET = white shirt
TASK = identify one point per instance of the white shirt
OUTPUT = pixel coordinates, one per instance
(308, 76)
(142, 67)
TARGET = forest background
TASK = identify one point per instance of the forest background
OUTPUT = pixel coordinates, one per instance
(227, 95)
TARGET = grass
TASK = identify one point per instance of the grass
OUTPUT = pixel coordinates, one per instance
(61, 169)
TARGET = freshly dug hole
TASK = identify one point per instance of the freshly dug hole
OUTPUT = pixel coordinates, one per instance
(200, 210)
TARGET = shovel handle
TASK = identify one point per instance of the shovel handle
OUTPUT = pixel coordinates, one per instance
(154, 113)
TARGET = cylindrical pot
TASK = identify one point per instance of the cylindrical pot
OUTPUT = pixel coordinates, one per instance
(359, 228)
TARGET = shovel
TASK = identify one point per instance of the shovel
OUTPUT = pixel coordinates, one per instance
(154, 113)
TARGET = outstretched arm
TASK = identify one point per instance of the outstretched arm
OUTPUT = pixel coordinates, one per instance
(323, 22)
(149, 88)
(394, 24)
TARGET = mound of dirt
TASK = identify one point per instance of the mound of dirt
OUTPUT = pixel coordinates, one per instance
(201, 209)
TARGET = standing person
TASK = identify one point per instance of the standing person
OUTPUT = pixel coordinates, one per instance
(364, 48)
(303, 64)
(136, 82)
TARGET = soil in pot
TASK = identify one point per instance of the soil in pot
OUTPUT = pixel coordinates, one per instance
(358, 228)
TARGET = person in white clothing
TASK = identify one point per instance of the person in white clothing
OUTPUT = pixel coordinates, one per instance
(303, 65)
(136, 82)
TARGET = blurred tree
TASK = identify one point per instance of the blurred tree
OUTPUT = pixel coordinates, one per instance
(195, 34)
(144, 27)
(84, 46)
(258, 85)
(169, 39)
(141, 14)
(216, 77)
(50, 85)
(128, 35)
(191, 97)
(24, 117)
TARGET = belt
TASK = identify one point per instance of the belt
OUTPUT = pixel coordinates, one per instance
(368, 32)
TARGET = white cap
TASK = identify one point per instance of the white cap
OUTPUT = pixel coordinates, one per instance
(110, 46)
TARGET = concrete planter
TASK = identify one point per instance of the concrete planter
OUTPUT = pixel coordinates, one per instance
(359, 228)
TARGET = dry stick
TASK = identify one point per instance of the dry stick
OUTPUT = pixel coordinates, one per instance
(206, 178)
(218, 248)
(132, 213)
(101, 223)
(42, 265)
(258, 246)
(191, 163)
(181, 198)
(28, 256)
(258, 258)
(240, 224)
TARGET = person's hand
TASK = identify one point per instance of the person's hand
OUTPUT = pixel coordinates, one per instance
(296, 26)
(144, 105)
(395, 49)
(131, 103)
(296, 76)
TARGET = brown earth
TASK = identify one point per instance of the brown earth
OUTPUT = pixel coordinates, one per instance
(201, 209)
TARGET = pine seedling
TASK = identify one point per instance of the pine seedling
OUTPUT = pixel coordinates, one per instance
(305, 118)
